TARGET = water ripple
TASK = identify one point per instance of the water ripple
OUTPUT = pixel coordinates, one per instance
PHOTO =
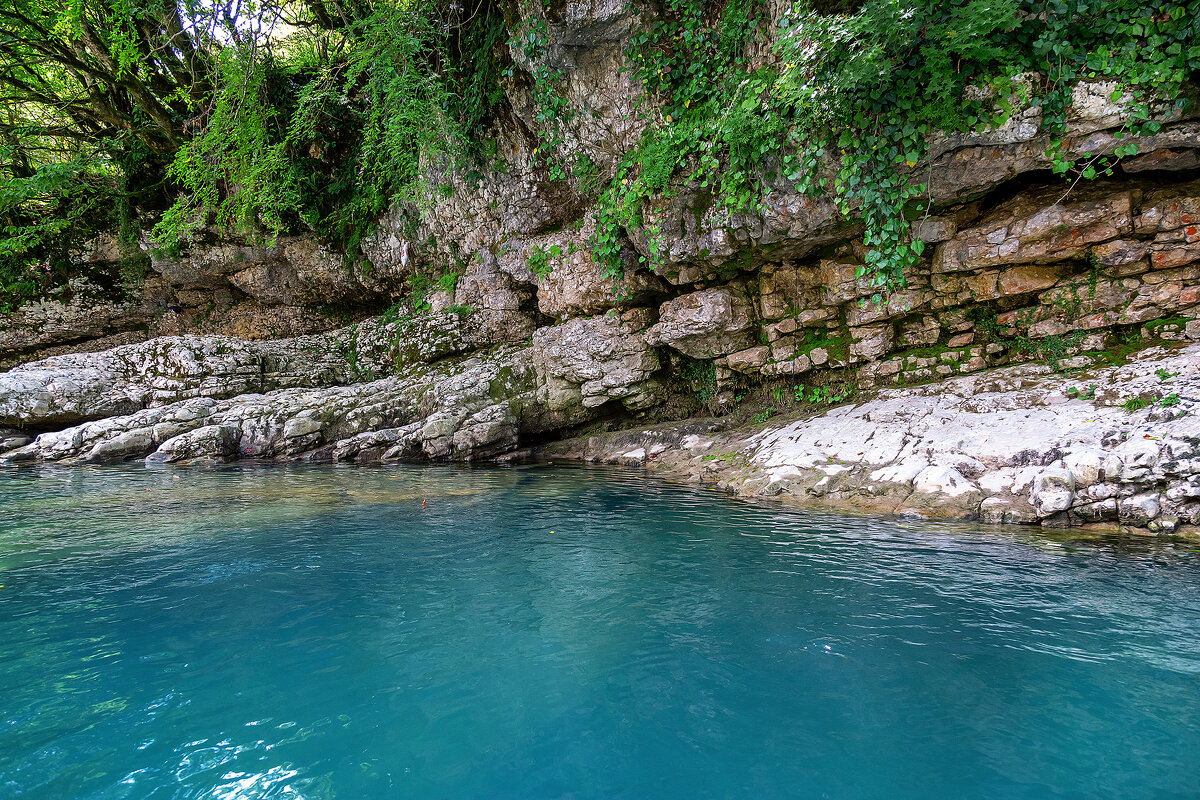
(544, 632)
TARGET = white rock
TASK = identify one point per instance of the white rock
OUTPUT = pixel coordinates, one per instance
(971, 467)
(301, 426)
(1023, 479)
(1085, 465)
(998, 481)
(1138, 457)
(1053, 491)
(943, 480)
(1140, 509)
(904, 472)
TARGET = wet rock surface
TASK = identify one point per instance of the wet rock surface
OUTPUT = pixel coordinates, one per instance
(1013, 445)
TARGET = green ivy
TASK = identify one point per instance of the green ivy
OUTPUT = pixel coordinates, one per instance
(553, 108)
(869, 88)
(878, 83)
(539, 260)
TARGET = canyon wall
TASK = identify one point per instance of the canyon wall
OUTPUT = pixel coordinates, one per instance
(233, 349)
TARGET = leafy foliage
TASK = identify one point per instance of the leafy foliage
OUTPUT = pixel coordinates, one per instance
(41, 214)
(868, 88)
(259, 164)
(252, 118)
(691, 56)
(539, 260)
(93, 103)
(700, 378)
(259, 117)
(878, 83)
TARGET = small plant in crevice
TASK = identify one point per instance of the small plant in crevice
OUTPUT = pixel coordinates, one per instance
(1076, 393)
(1050, 349)
(393, 313)
(586, 174)
(700, 378)
(1164, 374)
(1132, 404)
(763, 416)
(730, 458)
(419, 285)
(825, 395)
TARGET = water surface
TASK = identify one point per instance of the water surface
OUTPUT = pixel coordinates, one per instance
(258, 632)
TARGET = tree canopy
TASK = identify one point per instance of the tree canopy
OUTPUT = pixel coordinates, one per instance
(252, 115)
(158, 118)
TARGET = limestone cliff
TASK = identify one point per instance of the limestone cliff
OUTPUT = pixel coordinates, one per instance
(231, 350)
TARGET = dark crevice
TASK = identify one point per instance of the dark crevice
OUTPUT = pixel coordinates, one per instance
(1044, 182)
(609, 417)
(1026, 183)
(1160, 178)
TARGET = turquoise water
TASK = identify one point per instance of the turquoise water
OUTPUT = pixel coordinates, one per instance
(570, 633)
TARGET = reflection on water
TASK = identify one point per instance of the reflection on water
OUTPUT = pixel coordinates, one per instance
(322, 632)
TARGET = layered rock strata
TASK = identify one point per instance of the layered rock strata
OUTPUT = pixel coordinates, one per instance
(1111, 446)
(214, 398)
(503, 328)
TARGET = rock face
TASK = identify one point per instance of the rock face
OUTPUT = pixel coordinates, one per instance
(42, 325)
(66, 389)
(503, 326)
(1110, 445)
(1014, 445)
(519, 237)
(465, 410)
(705, 324)
(71, 388)
(593, 361)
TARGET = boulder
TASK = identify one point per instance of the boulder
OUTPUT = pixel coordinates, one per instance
(705, 324)
(211, 442)
(1053, 491)
(592, 361)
